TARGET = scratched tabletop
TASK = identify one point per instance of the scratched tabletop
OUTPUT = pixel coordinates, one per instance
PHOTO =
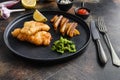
(83, 67)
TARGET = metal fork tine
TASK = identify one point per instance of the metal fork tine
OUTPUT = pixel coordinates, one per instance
(103, 29)
(101, 24)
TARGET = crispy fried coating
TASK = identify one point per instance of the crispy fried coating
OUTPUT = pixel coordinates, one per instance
(39, 38)
(33, 32)
(31, 27)
(16, 32)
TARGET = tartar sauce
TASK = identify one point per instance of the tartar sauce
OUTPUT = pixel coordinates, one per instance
(65, 1)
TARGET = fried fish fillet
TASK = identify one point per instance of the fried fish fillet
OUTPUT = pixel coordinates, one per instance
(39, 38)
(31, 27)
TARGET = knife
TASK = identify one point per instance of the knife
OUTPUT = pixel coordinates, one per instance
(96, 37)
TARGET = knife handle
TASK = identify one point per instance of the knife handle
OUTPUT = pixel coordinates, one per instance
(101, 52)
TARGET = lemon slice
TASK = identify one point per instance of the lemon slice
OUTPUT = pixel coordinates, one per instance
(37, 16)
(28, 3)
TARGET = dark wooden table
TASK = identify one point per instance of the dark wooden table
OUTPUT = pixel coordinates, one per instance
(84, 67)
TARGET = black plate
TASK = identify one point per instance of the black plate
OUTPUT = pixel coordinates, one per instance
(41, 53)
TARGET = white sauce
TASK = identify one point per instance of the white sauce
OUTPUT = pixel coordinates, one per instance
(65, 1)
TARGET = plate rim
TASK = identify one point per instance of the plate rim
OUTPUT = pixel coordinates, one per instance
(42, 59)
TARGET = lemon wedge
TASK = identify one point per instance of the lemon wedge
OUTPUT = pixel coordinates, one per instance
(28, 3)
(37, 16)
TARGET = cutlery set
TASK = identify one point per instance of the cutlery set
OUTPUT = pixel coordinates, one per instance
(95, 34)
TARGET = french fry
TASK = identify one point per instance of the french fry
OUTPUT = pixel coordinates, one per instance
(65, 27)
(72, 30)
(54, 18)
(62, 21)
(69, 28)
(76, 32)
(57, 22)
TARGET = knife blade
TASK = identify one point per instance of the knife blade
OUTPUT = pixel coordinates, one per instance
(96, 37)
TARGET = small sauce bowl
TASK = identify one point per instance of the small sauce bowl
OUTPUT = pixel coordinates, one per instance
(82, 12)
(64, 6)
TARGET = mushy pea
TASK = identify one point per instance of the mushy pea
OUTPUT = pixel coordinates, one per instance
(64, 45)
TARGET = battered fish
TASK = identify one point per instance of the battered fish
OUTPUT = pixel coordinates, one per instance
(39, 38)
(33, 32)
(31, 27)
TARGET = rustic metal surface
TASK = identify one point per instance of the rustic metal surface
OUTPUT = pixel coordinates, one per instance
(84, 67)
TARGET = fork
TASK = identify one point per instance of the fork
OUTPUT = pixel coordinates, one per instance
(103, 29)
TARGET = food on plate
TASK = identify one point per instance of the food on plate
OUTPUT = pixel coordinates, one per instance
(57, 22)
(37, 37)
(28, 3)
(65, 26)
(64, 45)
(31, 27)
(37, 16)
